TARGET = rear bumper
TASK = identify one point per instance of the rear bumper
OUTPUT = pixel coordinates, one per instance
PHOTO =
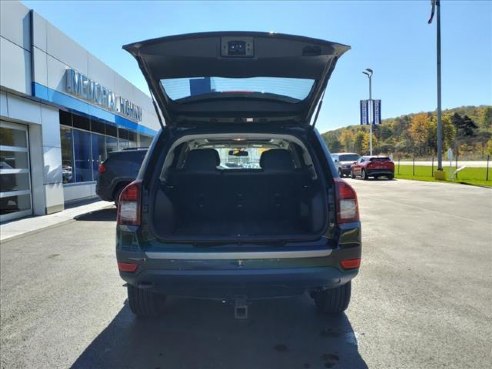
(250, 271)
(224, 284)
(346, 171)
(380, 172)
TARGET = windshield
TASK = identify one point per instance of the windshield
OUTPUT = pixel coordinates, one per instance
(294, 89)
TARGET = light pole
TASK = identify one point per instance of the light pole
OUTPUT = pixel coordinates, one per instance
(368, 72)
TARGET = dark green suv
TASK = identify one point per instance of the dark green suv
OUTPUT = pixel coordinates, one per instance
(238, 197)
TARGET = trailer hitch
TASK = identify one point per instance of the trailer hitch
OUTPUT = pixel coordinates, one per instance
(240, 308)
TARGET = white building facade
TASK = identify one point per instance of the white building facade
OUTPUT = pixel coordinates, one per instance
(61, 112)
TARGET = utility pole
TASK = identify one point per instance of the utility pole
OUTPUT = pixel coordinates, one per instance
(368, 72)
(436, 6)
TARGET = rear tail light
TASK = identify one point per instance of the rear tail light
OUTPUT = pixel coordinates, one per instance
(350, 264)
(347, 205)
(127, 267)
(102, 168)
(129, 204)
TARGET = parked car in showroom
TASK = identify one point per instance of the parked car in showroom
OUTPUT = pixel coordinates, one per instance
(373, 166)
(117, 171)
(343, 161)
(280, 224)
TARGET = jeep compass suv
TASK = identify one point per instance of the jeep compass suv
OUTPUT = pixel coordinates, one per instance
(238, 197)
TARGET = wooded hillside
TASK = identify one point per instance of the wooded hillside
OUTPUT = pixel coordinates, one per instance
(467, 130)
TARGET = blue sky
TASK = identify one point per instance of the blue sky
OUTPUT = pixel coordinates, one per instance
(391, 37)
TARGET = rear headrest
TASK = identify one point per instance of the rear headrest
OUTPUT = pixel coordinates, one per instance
(202, 160)
(276, 159)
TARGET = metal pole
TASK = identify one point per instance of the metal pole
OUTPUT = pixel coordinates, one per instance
(439, 122)
(487, 172)
(370, 111)
(371, 115)
(432, 170)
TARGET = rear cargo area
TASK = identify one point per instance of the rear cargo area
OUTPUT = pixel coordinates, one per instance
(201, 200)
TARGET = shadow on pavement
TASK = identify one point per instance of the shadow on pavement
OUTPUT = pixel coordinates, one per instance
(103, 215)
(282, 333)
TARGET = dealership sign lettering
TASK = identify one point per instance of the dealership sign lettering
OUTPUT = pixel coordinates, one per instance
(79, 85)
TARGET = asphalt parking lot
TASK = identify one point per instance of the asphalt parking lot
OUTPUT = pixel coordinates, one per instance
(422, 299)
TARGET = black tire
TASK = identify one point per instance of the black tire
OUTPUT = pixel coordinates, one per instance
(340, 173)
(352, 174)
(363, 174)
(390, 177)
(333, 301)
(144, 303)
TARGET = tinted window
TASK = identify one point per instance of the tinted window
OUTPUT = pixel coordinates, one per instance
(349, 157)
(380, 159)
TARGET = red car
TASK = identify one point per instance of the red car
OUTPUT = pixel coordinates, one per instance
(373, 166)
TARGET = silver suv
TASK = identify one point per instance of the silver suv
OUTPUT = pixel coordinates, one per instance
(343, 161)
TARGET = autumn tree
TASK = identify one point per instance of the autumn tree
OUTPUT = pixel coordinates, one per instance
(332, 141)
(347, 140)
(420, 131)
(361, 142)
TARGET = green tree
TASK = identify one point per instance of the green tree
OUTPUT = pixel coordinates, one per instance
(489, 147)
(465, 127)
(486, 117)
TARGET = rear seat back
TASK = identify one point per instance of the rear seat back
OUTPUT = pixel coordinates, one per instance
(283, 184)
(203, 192)
(197, 186)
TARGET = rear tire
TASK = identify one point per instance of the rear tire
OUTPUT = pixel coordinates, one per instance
(144, 303)
(364, 175)
(335, 300)
(340, 173)
(352, 174)
(390, 177)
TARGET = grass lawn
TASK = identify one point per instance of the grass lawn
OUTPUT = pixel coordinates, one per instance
(475, 176)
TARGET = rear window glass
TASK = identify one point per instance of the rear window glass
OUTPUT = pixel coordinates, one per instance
(349, 157)
(288, 89)
(380, 159)
(131, 156)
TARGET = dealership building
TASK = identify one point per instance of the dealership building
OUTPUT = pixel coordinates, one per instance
(62, 111)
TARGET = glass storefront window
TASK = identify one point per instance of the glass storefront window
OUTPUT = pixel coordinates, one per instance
(123, 144)
(13, 137)
(67, 154)
(111, 144)
(145, 141)
(12, 204)
(13, 160)
(82, 156)
(86, 143)
(15, 180)
(98, 152)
